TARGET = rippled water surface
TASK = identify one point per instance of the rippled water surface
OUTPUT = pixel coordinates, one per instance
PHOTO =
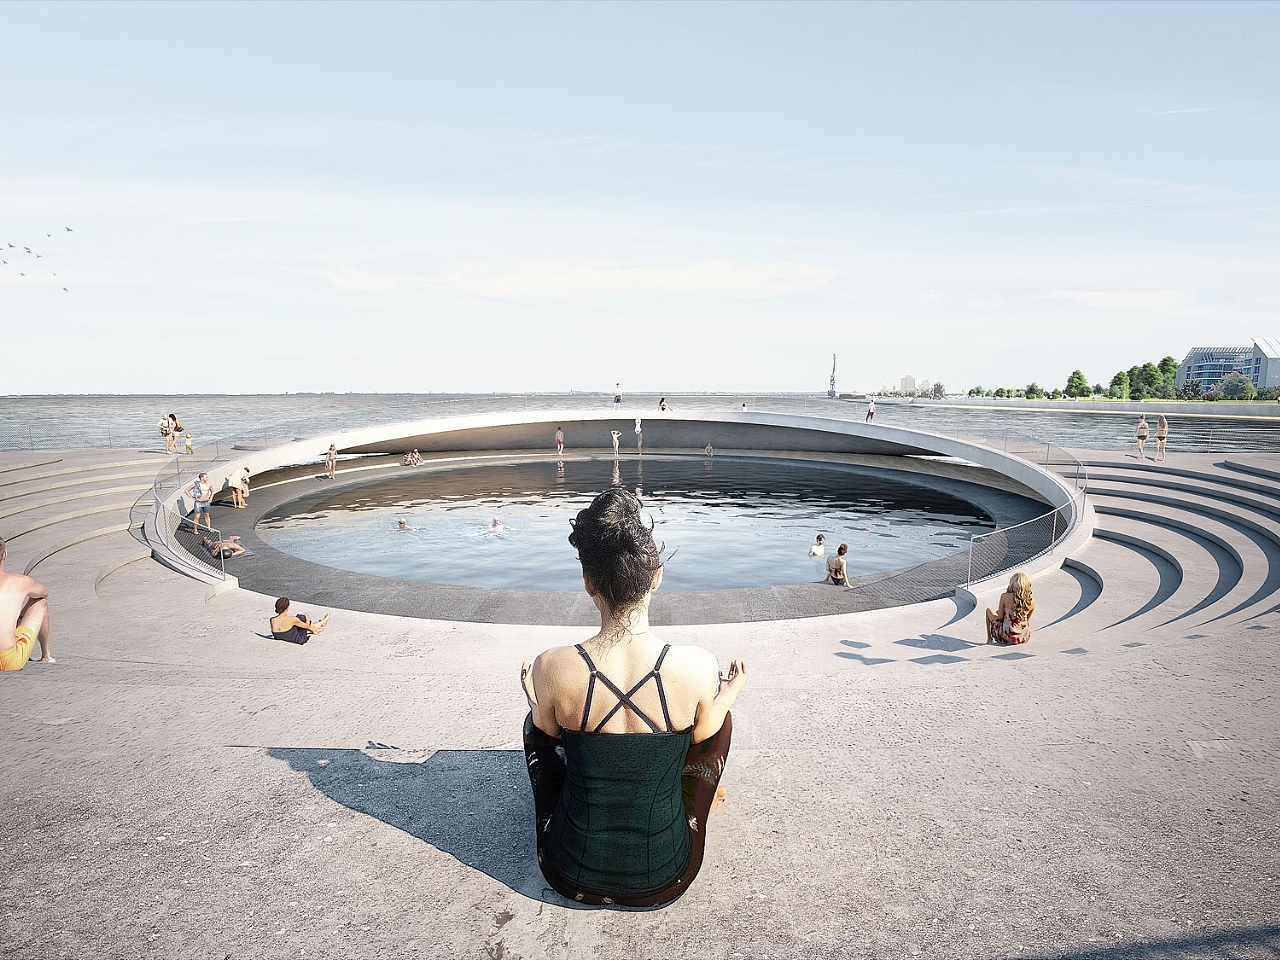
(727, 523)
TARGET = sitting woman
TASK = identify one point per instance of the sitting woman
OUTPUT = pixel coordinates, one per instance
(837, 572)
(285, 626)
(626, 736)
(1010, 621)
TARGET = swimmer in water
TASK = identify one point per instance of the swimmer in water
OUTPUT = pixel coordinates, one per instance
(496, 529)
(402, 525)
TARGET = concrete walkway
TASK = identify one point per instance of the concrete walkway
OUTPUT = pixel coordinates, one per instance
(177, 785)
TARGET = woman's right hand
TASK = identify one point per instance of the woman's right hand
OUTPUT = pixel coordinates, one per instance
(732, 683)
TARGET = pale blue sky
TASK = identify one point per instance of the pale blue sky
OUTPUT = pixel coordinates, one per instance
(683, 197)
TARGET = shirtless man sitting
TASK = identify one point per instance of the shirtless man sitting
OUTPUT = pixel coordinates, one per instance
(24, 616)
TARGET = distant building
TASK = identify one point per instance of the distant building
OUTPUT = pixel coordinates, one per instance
(1260, 363)
(908, 385)
(924, 386)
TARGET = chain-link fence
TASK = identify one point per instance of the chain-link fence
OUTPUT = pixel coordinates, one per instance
(988, 554)
(179, 535)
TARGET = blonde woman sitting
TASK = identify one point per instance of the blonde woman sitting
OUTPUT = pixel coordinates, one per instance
(1010, 621)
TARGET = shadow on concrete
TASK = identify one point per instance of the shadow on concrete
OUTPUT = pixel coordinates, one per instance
(1090, 590)
(939, 641)
(474, 805)
(1260, 941)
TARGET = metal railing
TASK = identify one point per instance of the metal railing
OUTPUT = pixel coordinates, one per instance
(999, 551)
(178, 534)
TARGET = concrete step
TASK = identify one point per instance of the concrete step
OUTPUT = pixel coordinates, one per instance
(27, 488)
(1138, 577)
(1258, 528)
(1265, 503)
(1234, 576)
(26, 506)
(14, 465)
(28, 543)
(61, 468)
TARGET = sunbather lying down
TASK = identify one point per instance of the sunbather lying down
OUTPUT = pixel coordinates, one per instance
(285, 626)
(623, 781)
(228, 547)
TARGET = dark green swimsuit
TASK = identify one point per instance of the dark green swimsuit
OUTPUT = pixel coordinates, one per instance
(620, 817)
(620, 826)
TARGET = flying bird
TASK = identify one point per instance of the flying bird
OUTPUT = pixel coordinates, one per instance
(65, 290)
(28, 249)
(48, 234)
(69, 230)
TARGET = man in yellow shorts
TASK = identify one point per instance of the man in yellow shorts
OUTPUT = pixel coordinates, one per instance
(24, 615)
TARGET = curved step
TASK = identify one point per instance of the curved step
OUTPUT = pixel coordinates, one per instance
(1216, 475)
(29, 465)
(1090, 583)
(141, 553)
(1264, 536)
(1241, 565)
(1168, 567)
(67, 517)
(7, 495)
(1265, 508)
(90, 466)
(24, 507)
(1143, 575)
(80, 538)
(1253, 470)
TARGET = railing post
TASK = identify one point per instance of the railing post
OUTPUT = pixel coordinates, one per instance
(1055, 528)
(970, 580)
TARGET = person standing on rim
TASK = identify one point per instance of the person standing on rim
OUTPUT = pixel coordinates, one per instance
(871, 411)
(331, 461)
(559, 441)
(617, 395)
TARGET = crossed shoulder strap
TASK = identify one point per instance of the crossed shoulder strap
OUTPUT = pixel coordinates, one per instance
(624, 699)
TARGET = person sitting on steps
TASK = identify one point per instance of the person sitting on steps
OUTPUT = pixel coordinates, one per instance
(626, 737)
(24, 617)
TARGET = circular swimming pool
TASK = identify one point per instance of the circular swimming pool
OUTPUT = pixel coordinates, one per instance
(731, 522)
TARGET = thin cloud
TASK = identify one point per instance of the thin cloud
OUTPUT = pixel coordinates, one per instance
(1125, 301)
(569, 278)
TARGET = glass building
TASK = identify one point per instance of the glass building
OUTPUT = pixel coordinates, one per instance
(1260, 363)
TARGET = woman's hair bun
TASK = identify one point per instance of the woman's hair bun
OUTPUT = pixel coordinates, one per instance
(616, 548)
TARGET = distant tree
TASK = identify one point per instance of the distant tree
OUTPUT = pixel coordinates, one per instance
(1034, 391)
(1056, 394)
(939, 391)
(1077, 385)
(1099, 390)
(1236, 386)
(1269, 393)
(1169, 370)
(1119, 389)
(976, 391)
(1191, 390)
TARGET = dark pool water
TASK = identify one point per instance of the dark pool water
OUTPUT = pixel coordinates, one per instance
(727, 523)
